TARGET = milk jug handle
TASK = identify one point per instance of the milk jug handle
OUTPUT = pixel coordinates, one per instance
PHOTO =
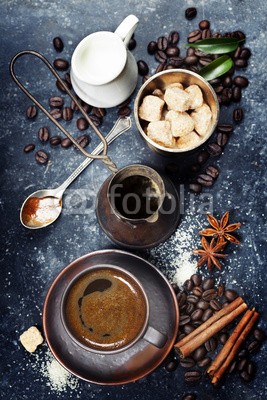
(127, 28)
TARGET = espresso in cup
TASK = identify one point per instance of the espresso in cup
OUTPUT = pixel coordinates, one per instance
(105, 309)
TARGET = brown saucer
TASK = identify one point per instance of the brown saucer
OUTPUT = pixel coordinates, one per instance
(145, 235)
(129, 365)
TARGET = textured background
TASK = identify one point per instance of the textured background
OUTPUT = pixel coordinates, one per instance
(31, 260)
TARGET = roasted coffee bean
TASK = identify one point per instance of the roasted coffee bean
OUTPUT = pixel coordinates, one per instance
(232, 367)
(208, 283)
(197, 315)
(225, 304)
(173, 38)
(205, 180)
(204, 24)
(55, 140)
(245, 53)
(83, 140)
(203, 305)
(191, 60)
(66, 143)
(43, 134)
(60, 64)
(212, 171)
(218, 89)
(67, 78)
(209, 294)
(176, 61)
(227, 82)
(188, 285)
(160, 56)
(41, 157)
(192, 299)
(74, 106)
(215, 82)
(189, 397)
(171, 365)
(196, 324)
(203, 157)
(250, 368)
(172, 52)
(31, 112)
(207, 314)
(132, 44)
(225, 128)
(205, 61)
(241, 63)
(56, 101)
(236, 93)
(214, 149)
(181, 298)
(199, 353)
(245, 376)
(161, 67)
(215, 305)
(239, 35)
(197, 291)
(188, 329)
(187, 362)
(28, 148)
(99, 112)
(124, 111)
(238, 114)
(184, 319)
(237, 53)
(82, 124)
(196, 279)
(67, 113)
(58, 44)
(243, 353)
(142, 67)
(86, 107)
(61, 87)
(194, 36)
(195, 187)
(230, 295)
(152, 47)
(242, 364)
(204, 363)
(220, 290)
(259, 334)
(175, 288)
(211, 344)
(223, 337)
(206, 34)
(191, 52)
(96, 120)
(193, 68)
(241, 81)
(162, 43)
(222, 139)
(189, 308)
(56, 113)
(192, 376)
(190, 13)
(254, 346)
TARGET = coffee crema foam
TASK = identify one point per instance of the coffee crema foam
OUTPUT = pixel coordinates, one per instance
(105, 309)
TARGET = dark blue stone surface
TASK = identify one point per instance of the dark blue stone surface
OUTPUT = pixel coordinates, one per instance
(30, 260)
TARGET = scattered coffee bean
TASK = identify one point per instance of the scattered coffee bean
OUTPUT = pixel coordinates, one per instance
(176, 61)
(196, 279)
(238, 114)
(31, 112)
(237, 93)
(188, 328)
(197, 315)
(242, 364)
(160, 56)
(58, 44)
(56, 101)
(60, 64)
(250, 368)
(188, 285)
(99, 112)
(187, 362)
(245, 376)
(222, 139)
(208, 283)
(152, 47)
(56, 113)
(225, 304)
(197, 291)
(67, 78)
(223, 337)
(189, 308)
(205, 60)
(211, 344)
(190, 13)
(191, 60)
(194, 36)
(209, 294)
(199, 353)
(241, 81)
(212, 171)
(184, 319)
(230, 295)
(67, 113)
(124, 111)
(61, 87)
(173, 38)
(66, 143)
(181, 298)
(204, 363)
(203, 305)
(204, 24)
(241, 63)
(82, 124)
(232, 367)
(259, 334)
(215, 305)
(214, 149)
(192, 376)
(206, 34)
(142, 67)
(41, 157)
(220, 290)
(162, 43)
(254, 346)
(28, 148)
(195, 187)
(172, 52)
(243, 353)
(205, 180)
(55, 140)
(96, 120)
(83, 140)
(245, 53)
(189, 397)
(207, 314)
(192, 299)
(225, 128)
(43, 134)
(132, 44)
(171, 365)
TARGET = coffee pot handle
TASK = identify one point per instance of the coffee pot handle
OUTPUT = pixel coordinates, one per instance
(155, 337)
(127, 27)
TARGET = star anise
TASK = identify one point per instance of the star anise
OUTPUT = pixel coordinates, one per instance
(210, 253)
(220, 229)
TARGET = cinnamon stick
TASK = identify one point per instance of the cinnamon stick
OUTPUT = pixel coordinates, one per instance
(240, 339)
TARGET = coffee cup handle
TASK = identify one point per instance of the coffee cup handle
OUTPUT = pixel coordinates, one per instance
(127, 28)
(155, 337)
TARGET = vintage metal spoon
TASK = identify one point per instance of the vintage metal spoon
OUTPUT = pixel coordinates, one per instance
(44, 206)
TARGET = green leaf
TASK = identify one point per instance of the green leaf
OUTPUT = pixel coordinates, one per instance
(216, 45)
(216, 68)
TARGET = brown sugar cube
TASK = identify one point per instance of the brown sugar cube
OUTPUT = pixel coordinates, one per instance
(158, 93)
(195, 96)
(176, 84)
(202, 119)
(31, 338)
(151, 108)
(181, 123)
(160, 132)
(176, 99)
(190, 140)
